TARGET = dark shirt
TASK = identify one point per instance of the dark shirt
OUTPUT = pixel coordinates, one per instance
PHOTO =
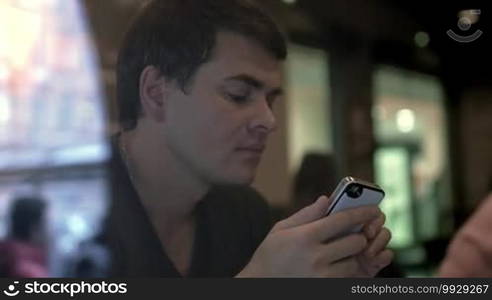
(231, 222)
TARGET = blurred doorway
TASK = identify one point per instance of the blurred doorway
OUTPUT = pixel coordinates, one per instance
(411, 162)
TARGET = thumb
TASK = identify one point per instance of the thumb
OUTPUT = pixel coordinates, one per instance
(308, 214)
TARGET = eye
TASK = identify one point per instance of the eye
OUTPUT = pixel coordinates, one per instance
(237, 92)
(239, 95)
(238, 98)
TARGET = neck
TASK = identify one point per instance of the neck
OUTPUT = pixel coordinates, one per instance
(167, 190)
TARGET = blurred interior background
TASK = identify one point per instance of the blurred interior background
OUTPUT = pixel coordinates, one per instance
(398, 93)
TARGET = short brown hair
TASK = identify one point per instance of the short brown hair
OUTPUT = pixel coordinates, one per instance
(177, 36)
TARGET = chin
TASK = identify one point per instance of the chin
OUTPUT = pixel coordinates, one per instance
(237, 178)
(240, 180)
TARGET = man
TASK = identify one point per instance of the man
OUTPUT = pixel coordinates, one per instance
(196, 84)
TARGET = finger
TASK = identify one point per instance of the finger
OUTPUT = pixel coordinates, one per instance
(379, 243)
(308, 214)
(371, 266)
(343, 248)
(381, 261)
(372, 228)
(333, 225)
(348, 267)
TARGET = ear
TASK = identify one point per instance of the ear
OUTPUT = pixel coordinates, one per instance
(152, 93)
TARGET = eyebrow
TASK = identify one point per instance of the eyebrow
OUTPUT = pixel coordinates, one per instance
(251, 81)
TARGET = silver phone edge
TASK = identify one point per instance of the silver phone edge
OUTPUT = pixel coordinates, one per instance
(344, 183)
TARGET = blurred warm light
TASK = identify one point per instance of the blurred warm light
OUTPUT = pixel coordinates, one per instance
(405, 120)
(471, 15)
(289, 1)
(422, 39)
(308, 125)
(4, 72)
(4, 109)
(21, 28)
(50, 95)
(32, 5)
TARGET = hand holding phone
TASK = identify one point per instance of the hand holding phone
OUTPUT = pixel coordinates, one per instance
(351, 193)
(293, 249)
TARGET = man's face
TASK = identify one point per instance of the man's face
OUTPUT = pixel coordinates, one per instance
(218, 129)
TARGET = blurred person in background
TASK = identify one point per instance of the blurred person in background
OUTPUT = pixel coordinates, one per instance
(23, 253)
(92, 259)
(196, 84)
(316, 177)
(470, 252)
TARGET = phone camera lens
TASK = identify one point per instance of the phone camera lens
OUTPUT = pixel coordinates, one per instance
(354, 191)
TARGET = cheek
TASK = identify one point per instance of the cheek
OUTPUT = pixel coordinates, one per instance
(217, 126)
(221, 128)
(218, 135)
(234, 127)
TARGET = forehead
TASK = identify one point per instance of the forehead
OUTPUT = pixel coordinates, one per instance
(236, 54)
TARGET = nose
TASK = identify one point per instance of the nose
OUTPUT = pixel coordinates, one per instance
(263, 118)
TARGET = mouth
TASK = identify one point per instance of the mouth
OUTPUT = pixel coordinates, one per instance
(256, 149)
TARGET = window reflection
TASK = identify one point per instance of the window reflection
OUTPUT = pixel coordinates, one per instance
(52, 121)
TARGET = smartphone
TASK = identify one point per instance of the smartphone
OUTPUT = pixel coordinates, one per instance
(351, 193)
